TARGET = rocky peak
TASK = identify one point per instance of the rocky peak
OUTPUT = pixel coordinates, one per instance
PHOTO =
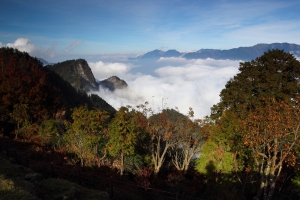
(77, 73)
(113, 83)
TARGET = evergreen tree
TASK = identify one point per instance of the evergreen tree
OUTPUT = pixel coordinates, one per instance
(123, 132)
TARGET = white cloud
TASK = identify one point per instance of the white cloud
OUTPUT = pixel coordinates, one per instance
(102, 70)
(22, 44)
(196, 84)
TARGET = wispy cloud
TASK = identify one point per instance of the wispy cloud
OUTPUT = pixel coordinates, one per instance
(73, 45)
(280, 31)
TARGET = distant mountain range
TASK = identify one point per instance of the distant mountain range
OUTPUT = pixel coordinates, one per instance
(240, 53)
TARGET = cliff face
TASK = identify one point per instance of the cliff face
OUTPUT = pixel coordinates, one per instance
(77, 73)
(113, 83)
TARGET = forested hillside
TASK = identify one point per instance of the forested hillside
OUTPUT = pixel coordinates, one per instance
(31, 93)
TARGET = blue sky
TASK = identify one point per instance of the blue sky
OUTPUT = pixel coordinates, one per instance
(59, 29)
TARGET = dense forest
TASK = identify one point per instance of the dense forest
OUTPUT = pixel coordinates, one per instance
(249, 145)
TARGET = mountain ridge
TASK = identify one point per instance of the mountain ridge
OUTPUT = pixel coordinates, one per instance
(77, 73)
(239, 53)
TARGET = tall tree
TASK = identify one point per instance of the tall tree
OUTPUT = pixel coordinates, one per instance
(161, 128)
(274, 75)
(272, 134)
(123, 132)
(86, 133)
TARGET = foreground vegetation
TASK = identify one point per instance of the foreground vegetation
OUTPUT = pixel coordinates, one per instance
(14, 185)
(249, 144)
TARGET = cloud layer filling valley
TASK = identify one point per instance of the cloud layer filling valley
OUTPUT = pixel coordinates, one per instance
(179, 83)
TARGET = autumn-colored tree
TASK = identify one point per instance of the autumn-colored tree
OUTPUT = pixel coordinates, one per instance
(86, 133)
(23, 81)
(189, 136)
(123, 132)
(272, 134)
(274, 75)
(161, 128)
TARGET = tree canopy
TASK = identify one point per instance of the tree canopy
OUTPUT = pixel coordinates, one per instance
(275, 74)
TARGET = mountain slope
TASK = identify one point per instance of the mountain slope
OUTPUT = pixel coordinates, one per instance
(77, 73)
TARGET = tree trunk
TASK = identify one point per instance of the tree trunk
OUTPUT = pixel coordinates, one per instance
(122, 164)
(266, 178)
(98, 162)
(262, 183)
(273, 182)
(17, 132)
(81, 162)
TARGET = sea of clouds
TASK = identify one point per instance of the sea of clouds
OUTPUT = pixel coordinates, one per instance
(175, 82)
(164, 83)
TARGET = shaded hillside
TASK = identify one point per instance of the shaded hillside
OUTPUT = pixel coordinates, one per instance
(77, 73)
(25, 88)
(72, 98)
(33, 93)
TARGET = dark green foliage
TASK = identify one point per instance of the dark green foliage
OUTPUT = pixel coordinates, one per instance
(125, 131)
(275, 74)
(100, 103)
(87, 134)
(51, 133)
